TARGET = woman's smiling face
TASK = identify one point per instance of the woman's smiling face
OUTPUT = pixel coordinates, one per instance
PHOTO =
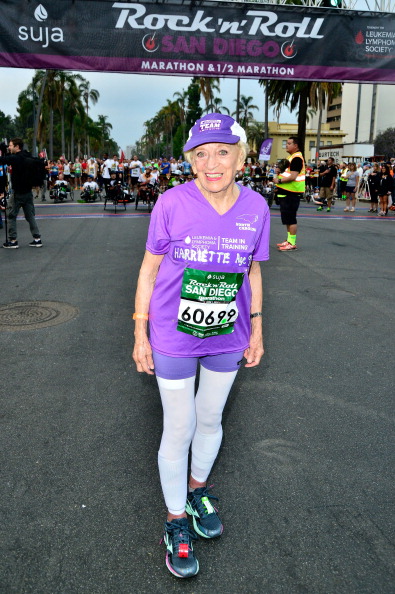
(215, 165)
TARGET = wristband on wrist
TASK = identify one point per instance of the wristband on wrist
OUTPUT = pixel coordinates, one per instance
(257, 314)
(140, 316)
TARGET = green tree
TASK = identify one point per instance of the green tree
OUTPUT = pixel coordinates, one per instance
(178, 141)
(246, 108)
(299, 95)
(105, 128)
(7, 126)
(67, 83)
(218, 107)
(207, 87)
(255, 134)
(75, 119)
(181, 98)
(194, 109)
(384, 143)
(92, 96)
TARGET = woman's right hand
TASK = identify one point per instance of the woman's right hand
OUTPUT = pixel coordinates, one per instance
(142, 356)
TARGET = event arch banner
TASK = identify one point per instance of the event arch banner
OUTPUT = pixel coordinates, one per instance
(199, 39)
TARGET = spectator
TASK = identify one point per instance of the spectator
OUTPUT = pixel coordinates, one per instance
(351, 187)
(22, 194)
(327, 178)
(373, 185)
(386, 184)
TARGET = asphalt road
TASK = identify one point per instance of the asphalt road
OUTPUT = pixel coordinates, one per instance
(306, 472)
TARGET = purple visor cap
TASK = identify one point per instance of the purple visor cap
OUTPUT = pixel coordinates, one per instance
(215, 127)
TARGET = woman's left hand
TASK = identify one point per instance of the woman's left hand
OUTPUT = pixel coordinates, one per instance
(254, 352)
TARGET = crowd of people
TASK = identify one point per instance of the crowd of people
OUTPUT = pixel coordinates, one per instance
(146, 179)
(373, 182)
(99, 169)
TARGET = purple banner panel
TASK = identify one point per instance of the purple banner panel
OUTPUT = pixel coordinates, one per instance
(192, 39)
(266, 149)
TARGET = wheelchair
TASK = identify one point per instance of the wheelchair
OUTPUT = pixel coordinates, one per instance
(148, 194)
(61, 192)
(116, 195)
(90, 195)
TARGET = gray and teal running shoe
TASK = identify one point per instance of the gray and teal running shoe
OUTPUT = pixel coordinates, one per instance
(180, 559)
(205, 517)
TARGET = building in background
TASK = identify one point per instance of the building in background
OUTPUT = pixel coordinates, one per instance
(280, 132)
(366, 110)
(129, 150)
(362, 111)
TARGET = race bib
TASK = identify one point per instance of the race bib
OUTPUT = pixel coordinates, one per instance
(208, 302)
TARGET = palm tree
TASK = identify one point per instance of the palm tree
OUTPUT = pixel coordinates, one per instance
(91, 95)
(299, 94)
(40, 79)
(169, 115)
(245, 110)
(182, 102)
(51, 99)
(105, 128)
(74, 116)
(218, 107)
(321, 94)
(67, 83)
(255, 134)
(207, 86)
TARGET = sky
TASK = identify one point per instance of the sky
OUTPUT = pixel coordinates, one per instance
(129, 100)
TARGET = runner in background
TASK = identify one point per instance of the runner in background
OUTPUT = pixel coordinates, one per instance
(77, 173)
(135, 169)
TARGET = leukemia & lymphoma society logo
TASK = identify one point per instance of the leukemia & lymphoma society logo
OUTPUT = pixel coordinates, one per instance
(40, 33)
(376, 41)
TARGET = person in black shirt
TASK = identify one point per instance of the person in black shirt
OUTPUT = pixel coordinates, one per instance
(373, 184)
(22, 194)
(327, 180)
(385, 186)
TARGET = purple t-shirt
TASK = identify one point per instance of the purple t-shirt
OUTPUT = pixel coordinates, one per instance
(189, 231)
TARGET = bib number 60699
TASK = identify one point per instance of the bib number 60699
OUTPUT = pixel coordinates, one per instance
(213, 314)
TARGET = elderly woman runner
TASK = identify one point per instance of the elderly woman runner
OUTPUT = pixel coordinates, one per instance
(200, 290)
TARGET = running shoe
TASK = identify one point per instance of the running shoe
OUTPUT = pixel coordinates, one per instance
(346, 209)
(319, 208)
(13, 245)
(205, 517)
(328, 210)
(36, 243)
(282, 243)
(180, 559)
(287, 247)
(352, 209)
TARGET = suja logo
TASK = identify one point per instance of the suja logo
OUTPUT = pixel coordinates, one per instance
(39, 34)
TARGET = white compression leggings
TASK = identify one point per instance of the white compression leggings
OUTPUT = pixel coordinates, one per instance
(190, 419)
